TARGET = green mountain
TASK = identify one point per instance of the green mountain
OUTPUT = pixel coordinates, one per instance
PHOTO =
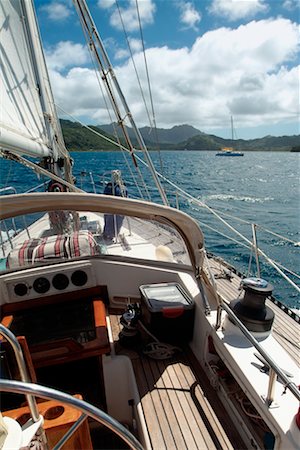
(173, 135)
(79, 138)
(182, 137)
(268, 143)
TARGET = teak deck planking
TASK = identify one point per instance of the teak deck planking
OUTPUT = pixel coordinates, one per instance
(180, 406)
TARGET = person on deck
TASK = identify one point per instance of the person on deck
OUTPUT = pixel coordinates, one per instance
(113, 223)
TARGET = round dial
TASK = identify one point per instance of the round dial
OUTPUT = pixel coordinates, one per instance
(41, 285)
(60, 281)
(21, 289)
(79, 278)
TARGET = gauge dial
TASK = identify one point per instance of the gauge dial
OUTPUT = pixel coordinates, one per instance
(60, 281)
(21, 289)
(41, 285)
(79, 278)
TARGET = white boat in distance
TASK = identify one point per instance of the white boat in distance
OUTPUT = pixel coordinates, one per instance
(230, 151)
(117, 326)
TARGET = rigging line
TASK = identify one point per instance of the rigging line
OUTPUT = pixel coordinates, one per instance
(8, 174)
(121, 146)
(145, 59)
(288, 270)
(41, 77)
(36, 168)
(199, 203)
(38, 74)
(132, 175)
(118, 144)
(111, 121)
(146, 190)
(276, 234)
(260, 252)
(111, 83)
(133, 62)
(97, 43)
(110, 116)
(149, 85)
(257, 225)
(136, 72)
(203, 224)
(91, 35)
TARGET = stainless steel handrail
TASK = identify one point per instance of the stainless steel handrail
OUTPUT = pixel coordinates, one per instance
(36, 390)
(70, 432)
(275, 368)
(8, 188)
(11, 338)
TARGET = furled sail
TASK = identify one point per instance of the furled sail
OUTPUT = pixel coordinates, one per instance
(28, 120)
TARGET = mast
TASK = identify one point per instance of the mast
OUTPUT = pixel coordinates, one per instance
(109, 78)
(232, 136)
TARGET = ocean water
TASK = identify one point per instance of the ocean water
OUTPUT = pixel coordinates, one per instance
(260, 188)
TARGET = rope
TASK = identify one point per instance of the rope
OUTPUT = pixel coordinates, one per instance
(157, 349)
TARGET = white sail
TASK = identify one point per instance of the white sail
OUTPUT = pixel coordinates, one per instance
(28, 121)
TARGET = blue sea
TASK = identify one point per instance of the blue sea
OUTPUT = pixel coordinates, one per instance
(260, 188)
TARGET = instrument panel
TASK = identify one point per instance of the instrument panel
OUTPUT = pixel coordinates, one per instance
(49, 280)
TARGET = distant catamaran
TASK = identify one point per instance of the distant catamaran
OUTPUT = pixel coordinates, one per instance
(229, 151)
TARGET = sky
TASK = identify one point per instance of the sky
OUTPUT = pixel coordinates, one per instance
(207, 60)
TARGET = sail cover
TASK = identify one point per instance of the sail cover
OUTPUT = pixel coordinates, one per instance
(28, 121)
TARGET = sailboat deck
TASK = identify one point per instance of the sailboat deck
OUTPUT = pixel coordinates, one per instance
(181, 408)
(286, 330)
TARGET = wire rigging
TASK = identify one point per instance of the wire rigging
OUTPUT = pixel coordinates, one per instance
(149, 86)
(133, 61)
(93, 41)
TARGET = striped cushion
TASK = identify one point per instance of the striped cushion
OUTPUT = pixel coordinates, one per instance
(79, 243)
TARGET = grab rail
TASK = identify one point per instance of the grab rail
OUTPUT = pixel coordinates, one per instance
(252, 246)
(273, 366)
(34, 412)
(11, 338)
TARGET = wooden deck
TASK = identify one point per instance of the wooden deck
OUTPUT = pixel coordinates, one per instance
(180, 406)
(285, 329)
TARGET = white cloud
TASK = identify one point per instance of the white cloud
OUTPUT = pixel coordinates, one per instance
(57, 11)
(237, 9)
(189, 16)
(291, 5)
(65, 54)
(105, 4)
(245, 72)
(129, 14)
(76, 92)
(135, 45)
(121, 53)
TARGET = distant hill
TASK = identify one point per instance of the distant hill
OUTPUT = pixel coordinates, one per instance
(173, 135)
(268, 143)
(181, 137)
(79, 138)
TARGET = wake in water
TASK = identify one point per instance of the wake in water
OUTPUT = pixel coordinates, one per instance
(239, 198)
